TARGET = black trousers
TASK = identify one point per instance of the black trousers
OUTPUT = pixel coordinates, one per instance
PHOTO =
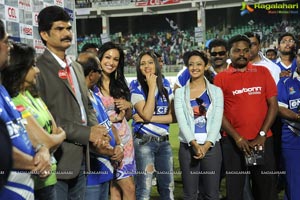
(200, 177)
(263, 177)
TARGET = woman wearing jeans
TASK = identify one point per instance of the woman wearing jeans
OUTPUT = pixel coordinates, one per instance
(152, 115)
(199, 111)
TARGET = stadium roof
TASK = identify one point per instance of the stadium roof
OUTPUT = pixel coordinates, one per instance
(117, 9)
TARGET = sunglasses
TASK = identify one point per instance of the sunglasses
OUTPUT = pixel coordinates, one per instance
(202, 108)
(220, 53)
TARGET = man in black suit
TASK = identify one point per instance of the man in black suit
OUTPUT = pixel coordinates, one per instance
(62, 87)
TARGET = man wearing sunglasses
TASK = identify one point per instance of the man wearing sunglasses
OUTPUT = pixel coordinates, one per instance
(218, 58)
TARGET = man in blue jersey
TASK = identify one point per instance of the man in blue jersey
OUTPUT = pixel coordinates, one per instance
(289, 111)
(5, 143)
(286, 60)
(26, 157)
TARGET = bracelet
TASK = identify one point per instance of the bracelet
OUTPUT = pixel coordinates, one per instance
(38, 147)
(121, 145)
(240, 139)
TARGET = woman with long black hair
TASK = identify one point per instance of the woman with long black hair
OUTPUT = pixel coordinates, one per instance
(151, 99)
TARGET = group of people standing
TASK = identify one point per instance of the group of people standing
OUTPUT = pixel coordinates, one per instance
(67, 121)
(248, 82)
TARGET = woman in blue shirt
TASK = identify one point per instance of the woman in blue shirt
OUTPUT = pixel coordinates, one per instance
(152, 116)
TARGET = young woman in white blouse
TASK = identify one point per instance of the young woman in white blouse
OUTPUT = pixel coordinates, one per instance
(199, 111)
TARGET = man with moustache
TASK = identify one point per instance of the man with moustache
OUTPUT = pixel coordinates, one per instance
(286, 60)
(218, 58)
(250, 107)
(62, 87)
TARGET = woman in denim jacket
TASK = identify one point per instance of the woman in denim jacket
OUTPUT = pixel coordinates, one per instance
(199, 111)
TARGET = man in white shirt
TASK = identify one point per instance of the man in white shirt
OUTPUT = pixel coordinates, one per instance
(257, 57)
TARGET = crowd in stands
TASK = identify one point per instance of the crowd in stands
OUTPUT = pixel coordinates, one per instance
(173, 44)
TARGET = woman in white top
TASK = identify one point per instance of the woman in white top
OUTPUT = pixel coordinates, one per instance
(199, 111)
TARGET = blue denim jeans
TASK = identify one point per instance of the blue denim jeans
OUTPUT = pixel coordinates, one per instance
(97, 192)
(72, 188)
(149, 156)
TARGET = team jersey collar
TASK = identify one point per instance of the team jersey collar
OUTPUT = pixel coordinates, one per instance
(296, 75)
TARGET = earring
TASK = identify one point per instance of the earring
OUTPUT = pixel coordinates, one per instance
(116, 75)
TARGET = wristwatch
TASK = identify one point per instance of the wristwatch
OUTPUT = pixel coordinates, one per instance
(262, 133)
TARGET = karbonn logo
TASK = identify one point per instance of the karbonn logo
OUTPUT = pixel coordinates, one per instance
(27, 31)
(250, 91)
(294, 103)
(12, 13)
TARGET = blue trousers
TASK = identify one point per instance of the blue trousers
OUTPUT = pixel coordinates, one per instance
(291, 162)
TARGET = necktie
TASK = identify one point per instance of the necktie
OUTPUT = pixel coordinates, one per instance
(69, 75)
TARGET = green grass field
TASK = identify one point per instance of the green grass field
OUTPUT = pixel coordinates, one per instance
(177, 177)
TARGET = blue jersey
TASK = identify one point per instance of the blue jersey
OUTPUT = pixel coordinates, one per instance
(19, 185)
(101, 168)
(200, 117)
(289, 97)
(155, 129)
(292, 68)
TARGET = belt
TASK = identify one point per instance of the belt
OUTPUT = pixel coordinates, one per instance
(151, 138)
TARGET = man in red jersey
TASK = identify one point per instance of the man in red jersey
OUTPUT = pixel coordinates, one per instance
(250, 107)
